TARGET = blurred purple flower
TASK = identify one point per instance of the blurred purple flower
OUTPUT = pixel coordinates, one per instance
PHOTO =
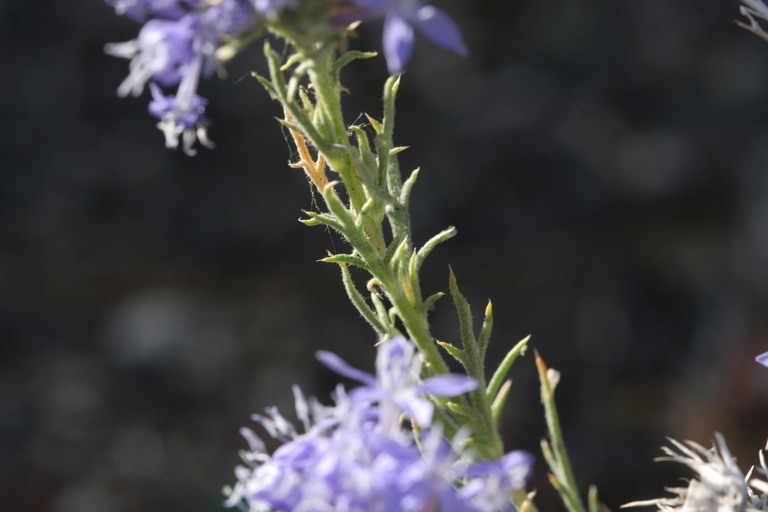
(762, 359)
(181, 116)
(400, 18)
(396, 385)
(141, 10)
(491, 483)
(345, 462)
(176, 48)
(162, 52)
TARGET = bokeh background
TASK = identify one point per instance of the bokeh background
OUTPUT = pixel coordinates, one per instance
(605, 163)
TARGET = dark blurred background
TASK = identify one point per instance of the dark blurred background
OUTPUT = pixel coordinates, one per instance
(605, 162)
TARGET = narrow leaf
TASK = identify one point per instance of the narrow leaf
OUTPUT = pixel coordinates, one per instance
(405, 193)
(349, 57)
(327, 219)
(376, 125)
(359, 302)
(460, 410)
(430, 301)
(465, 314)
(592, 499)
(433, 242)
(453, 351)
(501, 372)
(501, 398)
(347, 259)
(485, 331)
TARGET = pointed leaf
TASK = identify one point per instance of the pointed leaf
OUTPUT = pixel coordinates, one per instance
(433, 242)
(359, 302)
(501, 372)
(501, 398)
(465, 314)
(347, 259)
(456, 352)
(485, 331)
(430, 301)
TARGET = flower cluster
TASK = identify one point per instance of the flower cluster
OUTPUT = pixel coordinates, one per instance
(356, 456)
(175, 47)
(182, 40)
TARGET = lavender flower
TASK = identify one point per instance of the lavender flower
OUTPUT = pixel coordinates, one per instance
(400, 18)
(176, 48)
(396, 385)
(762, 359)
(349, 459)
(141, 10)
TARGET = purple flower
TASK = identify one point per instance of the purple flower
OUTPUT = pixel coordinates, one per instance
(491, 483)
(762, 359)
(176, 48)
(182, 116)
(344, 462)
(162, 52)
(348, 460)
(401, 16)
(140, 10)
(396, 385)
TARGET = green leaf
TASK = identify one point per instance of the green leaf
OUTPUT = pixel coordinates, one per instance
(290, 61)
(397, 256)
(359, 302)
(430, 301)
(326, 219)
(485, 331)
(456, 352)
(460, 410)
(433, 242)
(501, 398)
(465, 314)
(405, 193)
(349, 57)
(278, 79)
(374, 123)
(501, 372)
(381, 312)
(266, 84)
(347, 259)
(593, 500)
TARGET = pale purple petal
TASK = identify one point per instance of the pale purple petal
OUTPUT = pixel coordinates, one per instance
(440, 28)
(338, 365)
(448, 385)
(366, 394)
(398, 42)
(762, 359)
(419, 409)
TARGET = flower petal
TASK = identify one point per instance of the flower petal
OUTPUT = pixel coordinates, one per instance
(440, 28)
(398, 42)
(448, 385)
(762, 359)
(419, 409)
(338, 365)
